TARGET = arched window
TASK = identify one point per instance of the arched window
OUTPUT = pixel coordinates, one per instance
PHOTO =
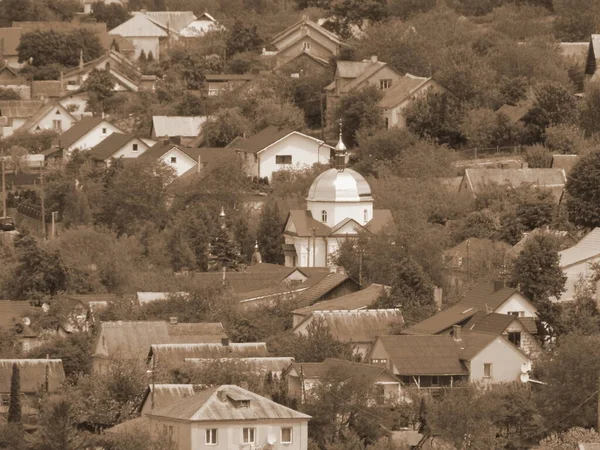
(324, 216)
(366, 214)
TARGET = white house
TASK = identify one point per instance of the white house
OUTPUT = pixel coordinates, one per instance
(143, 33)
(53, 116)
(402, 95)
(226, 417)
(118, 145)
(576, 262)
(85, 135)
(339, 206)
(15, 113)
(274, 149)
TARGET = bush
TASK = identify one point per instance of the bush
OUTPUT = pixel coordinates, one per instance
(538, 157)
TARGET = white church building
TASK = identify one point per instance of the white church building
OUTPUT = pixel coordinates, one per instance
(339, 206)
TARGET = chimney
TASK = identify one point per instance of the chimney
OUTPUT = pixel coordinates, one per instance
(166, 142)
(498, 284)
(457, 332)
(173, 320)
(225, 342)
(176, 140)
(437, 297)
(373, 58)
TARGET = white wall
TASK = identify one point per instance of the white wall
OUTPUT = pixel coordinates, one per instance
(574, 274)
(79, 100)
(128, 152)
(182, 163)
(93, 138)
(517, 302)
(396, 116)
(506, 362)
(304, 152)
(337, 212)
(148, 44)
(46, 122)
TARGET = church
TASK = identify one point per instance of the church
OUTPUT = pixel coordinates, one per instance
(339, 206)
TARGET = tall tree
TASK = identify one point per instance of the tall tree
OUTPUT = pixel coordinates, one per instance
(112, 14)
(358, 110)
(243, 38)
(270, 228)
(14, 406)
(583, 189)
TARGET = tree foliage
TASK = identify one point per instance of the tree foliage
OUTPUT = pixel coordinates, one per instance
(359, 110)
(269, 233)
(243, 38)
(43, 48)
(112, 14)
(14, 405)
(583, 191)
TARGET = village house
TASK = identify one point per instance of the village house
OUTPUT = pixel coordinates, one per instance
(577, 263)
(354, 301)
(226, 417)
(402, 95)
(15, 113)
(180, 130)
(16, 316)
(353, 75)
(218, 84)
(302, 378)
(261, 366)
(274, 149)
(490, 308)
(11, 80)
(359, 328)
(83, 136)
(36, 376)
(444, 360)
(169, 355)
(158, 396)
(131, 340)
(117, 145)
(339, 207)
(305, 46)
(52, 116)
(476, 181)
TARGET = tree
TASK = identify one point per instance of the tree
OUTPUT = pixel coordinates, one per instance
(554, 105)
(537, 274)
(48, 47)
(269, 233)
(576, 19)
(243, 38)
(357, 12)
(589, 114)
(9, 94)
(14, 406)
(436, 117)
(359, 110)
(570, 439)
(225, 126)
(112, 14)
(74, 351)
(583, 191)
(566, 139)
(101, 84)
(538, 157)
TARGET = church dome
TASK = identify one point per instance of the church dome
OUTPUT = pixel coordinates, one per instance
(340, 186)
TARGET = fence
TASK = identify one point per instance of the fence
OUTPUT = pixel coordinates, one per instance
(481, 152)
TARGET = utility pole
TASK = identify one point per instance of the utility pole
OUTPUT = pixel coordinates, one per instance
(42, 195)
(53, 232)
(3, 190)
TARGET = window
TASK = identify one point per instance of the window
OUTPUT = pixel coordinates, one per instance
(135, 147)
(306, 45)
(387, 123)
(248, 435)
(379, 361)
(211, 436)
(515, 338)
(173, 159)
(57, 112)
(324, 216)
(385, 84)
(57, 125)
(103, 130)
(517, 313)
(286, 435)
(283, 159)
(435, 380)
(487, 370)
(366, 215)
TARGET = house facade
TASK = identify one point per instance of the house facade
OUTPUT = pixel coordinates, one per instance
(53, 117)
(15, 113)
(85, 135)
(116, 146)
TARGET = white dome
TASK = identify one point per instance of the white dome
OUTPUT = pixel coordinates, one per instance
(340, 186)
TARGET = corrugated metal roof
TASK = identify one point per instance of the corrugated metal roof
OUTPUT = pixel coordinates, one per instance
(217, 404)
(19, 108)
(352, 69)
(357, 326)
(576, 50)
(356, 300)
(258, 365)
(402, 89)
(168, 393)
(33, 374)
(350, 368)
(586, 248)
(325, 285)
(171, 20)
(139, 25)
(175, 126)
(172, 354)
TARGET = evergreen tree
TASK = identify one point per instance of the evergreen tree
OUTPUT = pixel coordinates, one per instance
(14, 407)
(269, 233)
(223, 251)
(150, 56)
(142, 58)
(584, 190)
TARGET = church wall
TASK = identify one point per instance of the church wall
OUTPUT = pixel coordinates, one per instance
(338, 212)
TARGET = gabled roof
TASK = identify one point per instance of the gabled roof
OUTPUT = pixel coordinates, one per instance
(178, 353)
(586, 248)
(19, 108)
(34, 120)
(485, 296)
(173, 126)
(78, 130)
(222, 404)
(133, 339)
(514, 112)
(357, 326)
(576, 50)
(139, 25)
(305, 223)
(164, 394)
(47, 88)
(309, 23)
(357, 300)
(33, 374)
(442, 320)
(402, 89)
(169, 20)
(109, 146)
(262, 139)
(259, 365)
(320, 370)
(492, 323)
(12, 39)
(325, 285)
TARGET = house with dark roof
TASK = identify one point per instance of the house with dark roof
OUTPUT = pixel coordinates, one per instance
(15, 113)
(305, 45)
(359, 328)
(52, 116)
(444, 360)
(353, 75)
(169, 355)
(185, 160)
(354, 301)
(302, 378)
(84, 135)
(131, 340)
(16, 315)
(273, 149)
(402, 95)
(476, 181)
(488, 308)
(225, 417)
(115, 146)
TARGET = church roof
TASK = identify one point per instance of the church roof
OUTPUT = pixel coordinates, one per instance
(340, 186)
(304, 223)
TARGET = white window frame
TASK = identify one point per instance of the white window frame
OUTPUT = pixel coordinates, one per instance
(135, 147)
(57, 124)
(385, 84)
(282, 157)
(306, 45)
(490, 371)
(211, 436)
(291, 435)
(324, 216)
(247, 433)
